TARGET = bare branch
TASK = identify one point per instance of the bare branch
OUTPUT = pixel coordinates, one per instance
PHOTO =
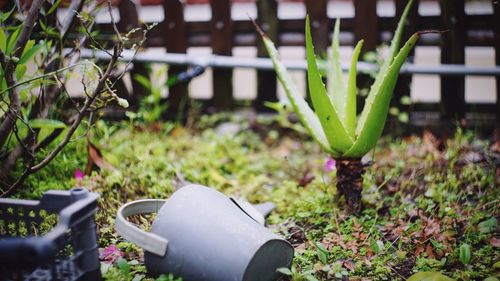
(15, 102)
(88, 103)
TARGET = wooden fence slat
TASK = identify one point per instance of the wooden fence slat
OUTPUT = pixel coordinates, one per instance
(320, 28)
(129, 19)
(175, 42)
(366, 24)
(267, 18)
(496, 27)
(453, 51)
(221, 33)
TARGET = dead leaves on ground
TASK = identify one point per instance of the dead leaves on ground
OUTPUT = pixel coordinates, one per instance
(95, 158)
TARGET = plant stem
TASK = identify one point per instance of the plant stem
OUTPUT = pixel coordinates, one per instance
(350, 173)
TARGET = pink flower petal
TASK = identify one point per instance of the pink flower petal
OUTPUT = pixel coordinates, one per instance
(79, 174)
(110, 254)
(329, 164)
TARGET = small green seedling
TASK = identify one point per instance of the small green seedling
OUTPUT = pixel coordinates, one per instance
(333, 123)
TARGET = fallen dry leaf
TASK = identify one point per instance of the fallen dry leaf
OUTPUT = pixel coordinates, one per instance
(94, 157)
(306, 179)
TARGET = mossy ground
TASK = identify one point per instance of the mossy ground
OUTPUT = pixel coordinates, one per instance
(424, 197)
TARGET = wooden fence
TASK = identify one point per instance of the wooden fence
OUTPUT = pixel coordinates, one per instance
(222, 34)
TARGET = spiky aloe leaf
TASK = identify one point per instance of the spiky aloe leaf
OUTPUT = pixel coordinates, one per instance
(350, 111)
(378, 108)
(393, 49)
(334, 130)
(336, 88)
(299, 105)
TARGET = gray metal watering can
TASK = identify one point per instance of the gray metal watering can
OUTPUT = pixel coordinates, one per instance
(202, 235)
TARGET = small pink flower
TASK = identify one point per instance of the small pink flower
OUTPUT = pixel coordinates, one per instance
(110, 254)
(329, 164)
(79, 174)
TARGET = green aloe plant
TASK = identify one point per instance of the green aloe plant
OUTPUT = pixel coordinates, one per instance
(333, 123)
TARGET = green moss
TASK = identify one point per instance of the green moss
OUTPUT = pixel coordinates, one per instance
(418, 198)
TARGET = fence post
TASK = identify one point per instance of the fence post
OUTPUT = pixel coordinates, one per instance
(366, 24)
(267, 17)
(496, 28)
(453, 51)
(175, 42)
(366, 28)
(221, 33)
(319, 25)
(403, 86)
(129, 19)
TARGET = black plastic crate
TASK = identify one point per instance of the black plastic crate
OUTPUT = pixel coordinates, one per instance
(51, 239)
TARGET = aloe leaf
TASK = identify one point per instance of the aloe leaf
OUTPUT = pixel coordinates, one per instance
(299, 105)
(350, 111)
(383, 69)
(328, 117)
(335, 84)
(378, 108)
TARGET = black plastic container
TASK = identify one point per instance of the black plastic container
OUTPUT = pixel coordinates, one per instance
(51, 239)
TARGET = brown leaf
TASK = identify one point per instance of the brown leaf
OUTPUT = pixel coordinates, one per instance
(495, 242)
(419, 250)
(429, 252)
(431, 142)
(297, 236)
(349, 264)
(94, 157)
(306, 179)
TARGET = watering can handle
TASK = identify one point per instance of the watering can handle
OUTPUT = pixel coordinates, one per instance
(148, 241)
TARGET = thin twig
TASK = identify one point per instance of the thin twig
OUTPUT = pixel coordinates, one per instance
(74, 125)
(15, 101)
(80, 116)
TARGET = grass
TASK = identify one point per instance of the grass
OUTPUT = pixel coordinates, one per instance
(424, 197)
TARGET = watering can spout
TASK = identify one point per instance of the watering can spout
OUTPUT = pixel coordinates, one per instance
(265, 208)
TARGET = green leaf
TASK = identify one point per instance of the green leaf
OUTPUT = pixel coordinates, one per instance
(143, 80)
(299, 105)
(377, 246)
(322, 253)
(465, 254)
(47, 124)
(285, 271)
(20, 71)
(310, 277)
(375, 88)
(375, 111)
(429, 276)
(54, 7)
(29, 52)
(336, 88)
(350, 111)
(11, 41)
(123, 266)
(3, 40)
(5, 15)
(488, 225)
(332, 126)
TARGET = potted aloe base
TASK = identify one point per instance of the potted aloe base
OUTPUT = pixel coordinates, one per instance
(333, 123)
